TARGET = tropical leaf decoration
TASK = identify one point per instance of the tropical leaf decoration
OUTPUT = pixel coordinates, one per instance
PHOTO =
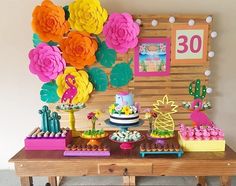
(98, 78)
(48, 92)
(37, 40)
(121, 74)
(104, 55)
(67, 13)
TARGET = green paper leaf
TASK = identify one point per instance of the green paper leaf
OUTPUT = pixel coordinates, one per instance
(48, 92)
(121, 74)
(37, 41)
(104, 55)
(98, 78)
(67, 13)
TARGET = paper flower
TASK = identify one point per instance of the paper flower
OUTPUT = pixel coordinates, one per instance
(82, 84)
(79, 49)
(49, 22)
(121, 32)
(87, 15)
(127, 110)
(46, 62)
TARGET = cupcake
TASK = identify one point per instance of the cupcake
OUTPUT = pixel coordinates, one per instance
(89, 147)
(84, 147)
(159, 147)
(142, 147)
(68, 147)
(166, 148)
(176, 147)
(153, 147)
(100, 148)
(74, 147)
(171, 148)
(95, 148)
(148, 148)
(79, 147)
(105, 147)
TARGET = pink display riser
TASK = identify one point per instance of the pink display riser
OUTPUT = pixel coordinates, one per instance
(48, 143)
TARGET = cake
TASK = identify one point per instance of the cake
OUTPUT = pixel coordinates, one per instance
(123, 111)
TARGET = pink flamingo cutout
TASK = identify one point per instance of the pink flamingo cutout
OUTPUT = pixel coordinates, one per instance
(199, 118)
(71, 92)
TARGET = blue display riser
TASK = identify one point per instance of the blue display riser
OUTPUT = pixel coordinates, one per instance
(179, 153)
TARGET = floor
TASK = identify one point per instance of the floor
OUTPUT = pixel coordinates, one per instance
(8, 178)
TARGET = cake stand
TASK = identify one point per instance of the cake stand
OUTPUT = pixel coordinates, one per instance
(93, 140)
(127, 145)
(158, 140)
(124, 127)
(71, 112)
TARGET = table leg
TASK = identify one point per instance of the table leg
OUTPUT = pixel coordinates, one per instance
(128, 180)
(201, 181)
(132, 180)
(225, 181)
(26, 181)
(52, 180)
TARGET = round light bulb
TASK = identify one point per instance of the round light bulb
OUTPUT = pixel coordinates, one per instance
(154, 22)
(207, 73)
(138, 21)
(209, 19)
(214, 34)
(191, 22)
(209, 90)
(211, 54)
(172, 19)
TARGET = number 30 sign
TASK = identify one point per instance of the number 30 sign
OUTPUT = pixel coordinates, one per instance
(189, 44)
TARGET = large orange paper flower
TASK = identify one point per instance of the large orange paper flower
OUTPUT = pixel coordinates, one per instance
(49, 22)
(78, 49)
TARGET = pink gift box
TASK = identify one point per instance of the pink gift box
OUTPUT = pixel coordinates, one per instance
(48, 143)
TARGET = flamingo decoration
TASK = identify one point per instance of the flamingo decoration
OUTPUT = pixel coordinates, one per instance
(71, 92)
(199, 118)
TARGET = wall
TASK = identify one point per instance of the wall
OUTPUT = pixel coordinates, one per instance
(19, 89)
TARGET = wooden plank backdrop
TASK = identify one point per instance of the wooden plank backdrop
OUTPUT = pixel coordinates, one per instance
(147, 90)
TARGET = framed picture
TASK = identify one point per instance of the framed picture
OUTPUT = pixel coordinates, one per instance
(189, 44)
(152, 57)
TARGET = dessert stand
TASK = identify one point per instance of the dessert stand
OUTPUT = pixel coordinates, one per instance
(71, 112)
(158, 140)
(123, 128)
(127, 145)
(93, 140)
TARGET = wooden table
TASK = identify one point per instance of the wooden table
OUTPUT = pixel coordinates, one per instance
(128, 164)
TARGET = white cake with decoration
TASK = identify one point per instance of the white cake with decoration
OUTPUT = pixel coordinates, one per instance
(124, 111)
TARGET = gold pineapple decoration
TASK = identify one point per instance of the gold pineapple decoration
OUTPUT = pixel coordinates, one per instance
(164, 124)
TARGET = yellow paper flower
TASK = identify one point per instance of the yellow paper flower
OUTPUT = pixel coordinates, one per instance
(126, 110)
(111, 108)
(98, 113)
(87, 15)
(84, 87)
(147, 115)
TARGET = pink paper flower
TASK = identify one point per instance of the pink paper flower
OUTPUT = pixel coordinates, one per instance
(46, 62)
(121, 32)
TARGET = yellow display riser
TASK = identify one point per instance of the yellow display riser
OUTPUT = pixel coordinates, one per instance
(201, 145)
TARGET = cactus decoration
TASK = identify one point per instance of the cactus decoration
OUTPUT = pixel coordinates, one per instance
(200, 92)
(50, 122)
(55, 122)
